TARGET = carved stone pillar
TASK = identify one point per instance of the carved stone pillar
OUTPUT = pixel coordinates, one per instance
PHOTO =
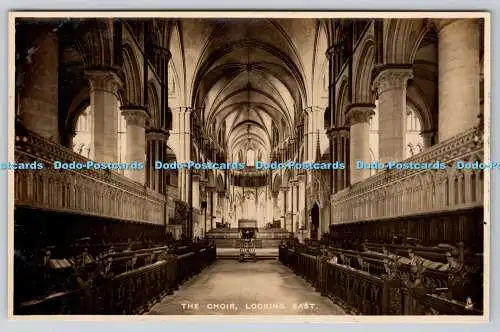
(294, 205)
(459, 76)
(38, 104)
(136, 141)
(284, 191)
(156, 143)
(302, 201)
(391, 87)
(358, 118)
(196, 190)
(104, 87)
(340, 149)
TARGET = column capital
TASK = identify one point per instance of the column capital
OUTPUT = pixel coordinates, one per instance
(389, 77)
(103, 80)
(441, 24)
(312, 109)
(186, 109)
(135, 116)
(337, 132)
(157, 135)
(359, 113)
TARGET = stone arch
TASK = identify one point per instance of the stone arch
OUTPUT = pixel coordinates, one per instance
(423, 88)
(133, 80)
(402, 38)
(342, 103)
(320, 65)
(153, 105)
(76, 107)
(416, 100)
(94, 41)
(176, 66)
(363, 92)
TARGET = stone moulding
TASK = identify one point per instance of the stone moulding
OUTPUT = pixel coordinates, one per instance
(142, 204)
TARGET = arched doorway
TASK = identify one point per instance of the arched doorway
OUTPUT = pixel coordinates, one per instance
(315, 221)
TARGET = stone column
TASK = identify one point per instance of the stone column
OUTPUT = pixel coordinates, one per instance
(459, 76)
(210, 206)
(358, 117)
(391, 87)
(104, 87)
(314, 117)
(156, 139)
(302, 200)
(186, 118)
(293, 206)
(38, 107)
(157, 157)
(333, 158)
(136, 141)
(339, 140)
(196, 190)
(284, 208)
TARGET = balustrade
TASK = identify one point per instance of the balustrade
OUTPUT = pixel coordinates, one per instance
(395, 193)
(90, 192)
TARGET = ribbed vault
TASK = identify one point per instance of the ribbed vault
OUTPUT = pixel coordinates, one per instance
(249, 76)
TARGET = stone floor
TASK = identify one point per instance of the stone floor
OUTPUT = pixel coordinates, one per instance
(260, 288)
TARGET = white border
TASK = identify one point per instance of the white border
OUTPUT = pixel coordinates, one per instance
(258, 14)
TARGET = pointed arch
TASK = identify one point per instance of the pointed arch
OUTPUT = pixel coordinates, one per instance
(133, 78)
(366, 62)
(153, 105)
(342, 103)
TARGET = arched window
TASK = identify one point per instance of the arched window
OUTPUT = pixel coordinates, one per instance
(121, 154)
(414, 139)
(83, 142)
(250, 157)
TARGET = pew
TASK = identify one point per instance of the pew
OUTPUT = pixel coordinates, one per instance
(372, 283)
(127, 282)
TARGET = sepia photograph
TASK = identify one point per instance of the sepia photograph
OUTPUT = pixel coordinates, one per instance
(260, 164)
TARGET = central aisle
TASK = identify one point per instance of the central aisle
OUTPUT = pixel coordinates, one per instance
(261, 288)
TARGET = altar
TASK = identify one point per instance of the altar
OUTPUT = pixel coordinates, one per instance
(264, 237)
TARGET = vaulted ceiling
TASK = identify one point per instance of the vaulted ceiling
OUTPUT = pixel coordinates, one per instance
(246, 74)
